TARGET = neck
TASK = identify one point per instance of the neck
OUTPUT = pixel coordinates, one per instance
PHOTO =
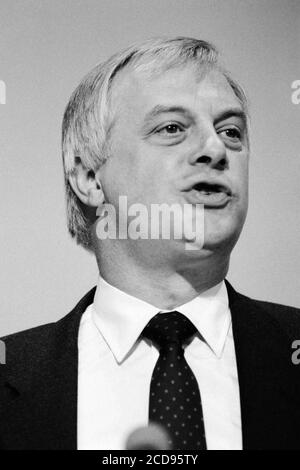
(162, 284)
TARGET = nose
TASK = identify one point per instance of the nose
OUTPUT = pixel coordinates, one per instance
(212, 152)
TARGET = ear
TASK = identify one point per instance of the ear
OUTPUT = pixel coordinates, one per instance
(86, 185)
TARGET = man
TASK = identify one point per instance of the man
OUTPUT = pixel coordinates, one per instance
(160, 123)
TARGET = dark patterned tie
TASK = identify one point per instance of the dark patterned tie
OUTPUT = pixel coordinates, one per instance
(175, 400)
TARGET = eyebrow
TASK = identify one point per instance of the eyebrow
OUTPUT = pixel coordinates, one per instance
(161, 109)
(232, 112)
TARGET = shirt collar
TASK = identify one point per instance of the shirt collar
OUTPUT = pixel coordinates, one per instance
(121, 318)
(210, 314)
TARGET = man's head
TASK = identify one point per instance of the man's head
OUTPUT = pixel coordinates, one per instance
(151, 123)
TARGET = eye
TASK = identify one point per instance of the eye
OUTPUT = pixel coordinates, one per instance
(232, 133)
(170, 129)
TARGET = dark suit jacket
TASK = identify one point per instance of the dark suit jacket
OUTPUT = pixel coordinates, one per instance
(38, 384)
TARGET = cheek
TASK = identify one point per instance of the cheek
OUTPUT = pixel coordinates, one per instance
(245, 182)
(241, 175)
(119, 176)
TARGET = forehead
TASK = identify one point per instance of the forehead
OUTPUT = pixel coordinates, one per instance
(136, 92)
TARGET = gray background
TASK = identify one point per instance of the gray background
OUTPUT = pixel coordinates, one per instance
(46, 47)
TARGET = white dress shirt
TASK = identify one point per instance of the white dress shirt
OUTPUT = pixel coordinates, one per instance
(115, 368)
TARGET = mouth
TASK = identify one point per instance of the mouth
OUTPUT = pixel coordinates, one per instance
(211, 195)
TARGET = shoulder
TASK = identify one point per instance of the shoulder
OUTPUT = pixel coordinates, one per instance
(30, 336)
(31, 343)
(37, 347)
(40, 334)
(285, 317)
(288, 318)
(279, 311)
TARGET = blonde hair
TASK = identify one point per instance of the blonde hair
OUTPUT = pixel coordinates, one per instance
(87, 119)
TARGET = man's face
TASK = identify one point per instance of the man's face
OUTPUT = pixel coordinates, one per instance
(180, 138)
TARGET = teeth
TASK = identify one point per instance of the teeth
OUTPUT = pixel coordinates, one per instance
(206, 193)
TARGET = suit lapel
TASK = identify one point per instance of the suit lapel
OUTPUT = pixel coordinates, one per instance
(42, 410)
(266, 376)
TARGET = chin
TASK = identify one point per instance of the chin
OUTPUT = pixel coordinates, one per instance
(223, 229)
(222, 239)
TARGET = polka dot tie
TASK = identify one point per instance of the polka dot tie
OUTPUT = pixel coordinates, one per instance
(175, 400)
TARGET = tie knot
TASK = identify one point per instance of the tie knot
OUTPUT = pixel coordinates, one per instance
(167, 328)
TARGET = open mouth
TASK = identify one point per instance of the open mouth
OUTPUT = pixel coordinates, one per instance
(209, 188)
(210, 194)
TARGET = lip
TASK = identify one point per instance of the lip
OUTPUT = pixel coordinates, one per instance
(217, 201)
(219, 196)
